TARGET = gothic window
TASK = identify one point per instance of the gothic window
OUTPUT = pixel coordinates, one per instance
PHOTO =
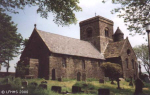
(132, 64)
(127, 62)
(64, 62)
(89, 32)
(128, 52)
(83, 64)
(106, 32)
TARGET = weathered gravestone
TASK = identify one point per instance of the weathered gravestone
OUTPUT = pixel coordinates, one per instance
(56, 89)
(76, 89)
(131, 83)
(44, 86)
(147, 79)
(103, 92)
(138, 86)
(24, 83)
(34, 84)
(106, 78)
(101, 81)
(59, 79)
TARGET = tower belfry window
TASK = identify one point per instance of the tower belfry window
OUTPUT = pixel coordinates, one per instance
(89, 32)
(106, 32)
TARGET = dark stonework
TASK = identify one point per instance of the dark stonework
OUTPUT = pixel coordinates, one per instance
(103, 92)
(101, 81)
(44, 86)
(56, 89)
(59, 79)
(25, 83)
(52, 56)
(138, 87)
(76, 89)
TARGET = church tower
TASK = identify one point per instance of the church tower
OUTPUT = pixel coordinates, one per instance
(118, 35)
(98, 31)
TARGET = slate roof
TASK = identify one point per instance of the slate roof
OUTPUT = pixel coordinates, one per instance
(114, 49)
(69, 46)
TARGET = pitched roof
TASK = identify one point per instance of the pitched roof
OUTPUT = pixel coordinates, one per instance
(114, 48)
(118, 31)
(69, 46)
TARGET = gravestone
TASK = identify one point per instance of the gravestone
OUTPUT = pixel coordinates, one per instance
(34, 84)
(76, 89)
(106, 78)
(138, 86)
(103, 92)
(101, 81)
(24, 83)
(56, 89)
(59, 79)
(147, 79)
(131, 83)
(44, 86)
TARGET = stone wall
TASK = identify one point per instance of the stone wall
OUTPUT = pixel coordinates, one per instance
(130, 71)
(74, 66)
(98, 25)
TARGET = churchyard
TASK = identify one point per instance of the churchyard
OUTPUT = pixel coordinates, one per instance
(66, 86)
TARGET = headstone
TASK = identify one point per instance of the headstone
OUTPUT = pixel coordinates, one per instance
(59, 79)
(44, 86)
(106, 78)
(121, 79)
(101, 81)
(103, 92)
(138, 86)
(56, 89)
(131, 83)
(24, 83)
(76, 89)
(34, 84)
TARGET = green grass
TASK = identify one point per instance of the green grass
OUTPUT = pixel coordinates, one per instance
(90, 87)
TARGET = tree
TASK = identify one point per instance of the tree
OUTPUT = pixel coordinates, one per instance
(135, 13)
(63, 10)
(142, 52)
(113, 71)
(9, 40)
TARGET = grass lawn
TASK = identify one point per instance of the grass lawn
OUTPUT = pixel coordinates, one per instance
(91, 88)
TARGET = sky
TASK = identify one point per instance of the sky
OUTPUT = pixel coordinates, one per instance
(26, 19)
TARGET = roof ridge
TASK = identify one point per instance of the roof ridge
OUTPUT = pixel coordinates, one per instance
(62, 35)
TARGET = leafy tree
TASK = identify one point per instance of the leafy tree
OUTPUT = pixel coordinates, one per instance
(142, 53)
(63, 10)
(113, 71)
(135, 13)
(9, 40)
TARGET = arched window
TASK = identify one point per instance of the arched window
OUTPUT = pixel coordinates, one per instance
(89, 32)
(83, 64)
(106, 32)
(64, 62)
(127, 62)
(132, 64)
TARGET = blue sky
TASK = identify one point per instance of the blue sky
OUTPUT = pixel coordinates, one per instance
(26, 19)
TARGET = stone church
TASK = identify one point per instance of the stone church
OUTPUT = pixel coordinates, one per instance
(53, 56)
